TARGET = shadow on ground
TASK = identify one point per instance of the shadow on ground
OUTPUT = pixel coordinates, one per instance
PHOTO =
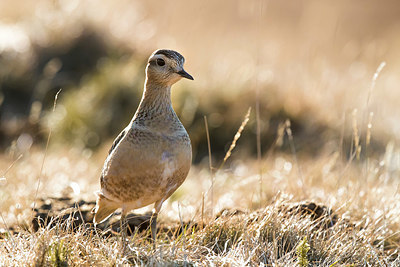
(75, 215)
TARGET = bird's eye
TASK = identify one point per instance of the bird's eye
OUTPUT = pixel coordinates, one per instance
(160, 62)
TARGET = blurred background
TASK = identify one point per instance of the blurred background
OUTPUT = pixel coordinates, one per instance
(308, 61)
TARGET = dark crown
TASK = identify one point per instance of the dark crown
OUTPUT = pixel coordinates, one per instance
(171, 54)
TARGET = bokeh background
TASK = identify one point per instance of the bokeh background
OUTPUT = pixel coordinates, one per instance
(308, 61)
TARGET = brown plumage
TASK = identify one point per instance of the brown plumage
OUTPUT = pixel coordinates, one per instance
(151, 157)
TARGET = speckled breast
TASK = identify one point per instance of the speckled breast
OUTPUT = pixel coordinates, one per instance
(147, 166)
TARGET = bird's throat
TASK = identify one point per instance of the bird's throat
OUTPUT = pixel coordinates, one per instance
(156, 99)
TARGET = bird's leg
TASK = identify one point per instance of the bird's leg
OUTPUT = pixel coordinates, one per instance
(153, 221)
(153, 227)
(123, 231)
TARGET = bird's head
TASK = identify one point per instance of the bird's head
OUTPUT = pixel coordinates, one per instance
(165, 67)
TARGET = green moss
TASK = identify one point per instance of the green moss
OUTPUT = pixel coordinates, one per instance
(301, 252)
(58, 254)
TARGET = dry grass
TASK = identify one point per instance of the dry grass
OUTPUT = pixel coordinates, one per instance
(366, 203)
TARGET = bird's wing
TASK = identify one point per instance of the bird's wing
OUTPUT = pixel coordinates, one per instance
(117, 140)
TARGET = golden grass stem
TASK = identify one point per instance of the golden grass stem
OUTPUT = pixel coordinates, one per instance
(208, 144)
(236, 137)
(183, 235)
(227, 155)
(11, 165)
(258, 122)
(3, 177)
(45, 154)
(369, 128)
(373, 82)
(370, 114)
(293, 149)
(356, 135)
(341, 141)
(202, 210)
(210, 165)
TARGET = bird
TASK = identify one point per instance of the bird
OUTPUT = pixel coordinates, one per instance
(152, 156)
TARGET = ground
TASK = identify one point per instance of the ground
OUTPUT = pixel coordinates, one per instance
(347, 213)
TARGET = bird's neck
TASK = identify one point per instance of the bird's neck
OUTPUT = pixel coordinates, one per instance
(156, 100)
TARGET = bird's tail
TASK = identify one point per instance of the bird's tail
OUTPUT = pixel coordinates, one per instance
(104, 208)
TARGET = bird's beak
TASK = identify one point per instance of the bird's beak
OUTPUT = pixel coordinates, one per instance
(184, 74)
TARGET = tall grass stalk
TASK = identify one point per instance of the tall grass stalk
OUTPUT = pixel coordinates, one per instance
(183, 236)
(210, 166)
(9, 167)
(356, 135)
(369, 113)
(235, 138)
(4, 179)
(293, 149)
(341, 141)
(258, 134)
(227, 155)
(45, 154)
(373, 83)
(202, 210)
